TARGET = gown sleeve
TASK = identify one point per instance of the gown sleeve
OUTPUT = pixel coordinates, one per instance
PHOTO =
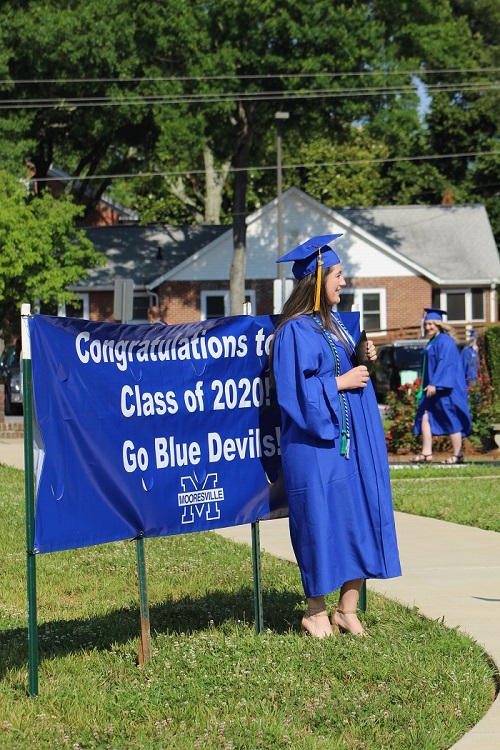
(306, 387)
(445, 362)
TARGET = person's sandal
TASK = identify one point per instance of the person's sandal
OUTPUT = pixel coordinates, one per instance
(309, 625)
(454, 459)
(343, 629)
(422, 458)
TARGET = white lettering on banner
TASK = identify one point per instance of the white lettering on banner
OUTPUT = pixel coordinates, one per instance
(123, 351)
(134, 459)
(134, 402)
(169, 453)
(242, 395)
(244, 447)
(262, 342)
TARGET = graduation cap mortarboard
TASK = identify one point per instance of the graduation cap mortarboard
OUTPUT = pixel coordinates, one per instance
(434, 313)
(312, 256)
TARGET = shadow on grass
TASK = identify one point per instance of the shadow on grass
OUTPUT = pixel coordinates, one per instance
(174, 617)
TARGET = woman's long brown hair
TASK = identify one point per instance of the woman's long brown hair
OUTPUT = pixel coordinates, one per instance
(301, 302)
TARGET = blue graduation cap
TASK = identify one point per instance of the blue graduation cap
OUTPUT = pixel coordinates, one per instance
(306, 256)
(311, 257)
(434, 313)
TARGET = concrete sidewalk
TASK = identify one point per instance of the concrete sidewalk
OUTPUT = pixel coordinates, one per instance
(12, 453)
(449, 571)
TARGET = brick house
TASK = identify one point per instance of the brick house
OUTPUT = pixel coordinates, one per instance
(396, 259)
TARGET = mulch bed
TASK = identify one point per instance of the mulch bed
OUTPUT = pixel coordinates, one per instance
(470, 452)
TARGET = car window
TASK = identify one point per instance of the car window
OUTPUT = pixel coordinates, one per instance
(385, 357)
(408, 357)
(12, 359)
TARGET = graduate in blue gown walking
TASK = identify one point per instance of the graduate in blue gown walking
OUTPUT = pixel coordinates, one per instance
(443, 408)
(333, 448)
(470, 360)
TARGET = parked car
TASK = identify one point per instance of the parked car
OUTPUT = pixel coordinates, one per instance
(397, 363)
(10, 376)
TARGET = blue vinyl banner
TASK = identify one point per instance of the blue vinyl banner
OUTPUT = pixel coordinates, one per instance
(153, 430)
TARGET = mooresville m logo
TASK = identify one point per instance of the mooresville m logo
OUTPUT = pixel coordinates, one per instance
(203, 499)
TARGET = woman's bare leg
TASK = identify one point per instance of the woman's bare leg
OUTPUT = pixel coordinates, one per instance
(345, 616)
(456, 443)
(426, 435)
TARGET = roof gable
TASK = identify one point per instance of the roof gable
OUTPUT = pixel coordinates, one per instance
(144, 253)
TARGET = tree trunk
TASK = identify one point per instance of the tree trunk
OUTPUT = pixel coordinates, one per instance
(214, 181)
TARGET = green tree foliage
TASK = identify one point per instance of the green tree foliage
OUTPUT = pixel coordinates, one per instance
(347, 175)
(70, 53)
(41, 251)
(186, 92)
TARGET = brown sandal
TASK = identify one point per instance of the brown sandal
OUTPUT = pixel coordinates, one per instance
(309, 625)
(342, 629)
(422, 458)
(454, 459)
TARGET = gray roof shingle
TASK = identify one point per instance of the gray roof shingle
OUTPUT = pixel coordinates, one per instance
(144, 253)
(451, 242)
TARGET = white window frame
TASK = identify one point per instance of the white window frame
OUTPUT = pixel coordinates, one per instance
(227, 300)
(357, 305)
(84, 297)
(152, 300)
(443, 304)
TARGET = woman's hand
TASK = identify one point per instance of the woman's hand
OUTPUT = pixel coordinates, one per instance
(371, 351)
(358, 377)
(430, 390)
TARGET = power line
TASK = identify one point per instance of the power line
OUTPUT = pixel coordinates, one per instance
(177, 173)
(223, 97)
(266, 76)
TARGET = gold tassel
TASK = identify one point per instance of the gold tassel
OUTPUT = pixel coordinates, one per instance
(317, 295)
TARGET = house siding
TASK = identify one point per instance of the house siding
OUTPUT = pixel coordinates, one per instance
(181, 299)
(399, 257)
(406, 298)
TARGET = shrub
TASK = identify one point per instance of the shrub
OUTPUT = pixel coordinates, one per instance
(492, 356)
(484, 410)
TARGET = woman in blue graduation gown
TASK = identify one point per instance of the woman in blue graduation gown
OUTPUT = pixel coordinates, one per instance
(444, 407)
(470, 360)
(333, 448)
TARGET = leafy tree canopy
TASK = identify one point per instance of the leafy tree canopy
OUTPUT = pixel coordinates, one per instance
(42, 252)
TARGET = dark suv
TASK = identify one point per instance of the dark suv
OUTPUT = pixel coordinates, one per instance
(10, 376)
(397, 363)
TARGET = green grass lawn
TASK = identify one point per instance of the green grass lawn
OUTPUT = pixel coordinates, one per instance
(211, 682)
(469, 494)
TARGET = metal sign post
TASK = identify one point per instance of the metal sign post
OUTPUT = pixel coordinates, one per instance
(29, 481)
(123, 304)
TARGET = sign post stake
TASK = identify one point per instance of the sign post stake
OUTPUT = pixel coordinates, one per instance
(362, 597)
(29, 483)
(144, 652)
(257, 579)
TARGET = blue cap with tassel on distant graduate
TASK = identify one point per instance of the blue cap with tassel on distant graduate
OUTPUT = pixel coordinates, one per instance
(431, 313)
(434, 313)
(311, 257)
